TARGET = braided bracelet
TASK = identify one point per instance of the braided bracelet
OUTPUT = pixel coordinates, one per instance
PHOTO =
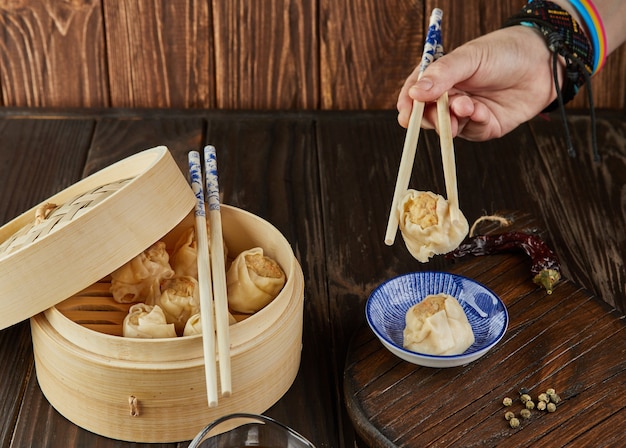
(565, 37)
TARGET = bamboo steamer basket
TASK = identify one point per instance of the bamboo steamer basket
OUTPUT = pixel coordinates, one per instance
(154, 390)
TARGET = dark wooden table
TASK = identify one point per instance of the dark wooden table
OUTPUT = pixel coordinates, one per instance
(326, 181)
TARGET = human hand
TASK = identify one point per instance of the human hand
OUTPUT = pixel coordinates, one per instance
(494, 83)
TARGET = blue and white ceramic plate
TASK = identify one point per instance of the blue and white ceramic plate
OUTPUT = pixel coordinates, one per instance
(388, 304)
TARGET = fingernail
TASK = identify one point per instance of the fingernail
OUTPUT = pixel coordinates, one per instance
(402, 119)
(424, 84)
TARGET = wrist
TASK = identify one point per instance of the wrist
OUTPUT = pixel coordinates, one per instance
(565, 39)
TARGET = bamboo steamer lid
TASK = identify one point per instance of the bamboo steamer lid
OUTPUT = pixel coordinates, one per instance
(92, 232)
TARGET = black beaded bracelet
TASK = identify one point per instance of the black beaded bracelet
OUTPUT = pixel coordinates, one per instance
(564, 38)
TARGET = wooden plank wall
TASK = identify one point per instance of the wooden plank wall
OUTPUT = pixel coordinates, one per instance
(236, 54)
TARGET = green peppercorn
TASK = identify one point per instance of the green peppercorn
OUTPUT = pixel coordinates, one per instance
(514, 422)
(551, 407)
(524, 398)
(509, 415)
(525, 413)
(554, 398)
(530, 404)
(507, 401)
(541, 406)
(543, 397)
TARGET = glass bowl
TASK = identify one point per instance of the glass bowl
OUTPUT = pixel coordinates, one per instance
(243, 430)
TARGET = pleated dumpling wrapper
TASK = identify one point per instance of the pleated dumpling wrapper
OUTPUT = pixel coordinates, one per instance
(427, 226)
(180, 299)
(253, 280)
(184, 259)
(437, 326)
(148, 322)
(194, 324)
(140, 279)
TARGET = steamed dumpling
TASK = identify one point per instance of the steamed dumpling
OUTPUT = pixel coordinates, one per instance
(184, 259)
(253, 280)
(194, 324)
(180, 299)
(426, 225)
(146, 321)
(140, 279)
(437, 326)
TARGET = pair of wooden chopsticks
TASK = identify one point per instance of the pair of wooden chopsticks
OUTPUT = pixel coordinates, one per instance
(432, 50)
(211, 274)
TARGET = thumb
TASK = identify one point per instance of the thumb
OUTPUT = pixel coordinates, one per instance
(444, 74)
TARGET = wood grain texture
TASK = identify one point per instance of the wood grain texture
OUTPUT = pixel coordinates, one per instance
(266, 54)
(16, 354)
(54, 150)
(261, 55)
(52, 54)
(392, 403)
(589, 233)
(160, 54)
(608, 87)
(115, 138)
(367, 48)
(325, 180)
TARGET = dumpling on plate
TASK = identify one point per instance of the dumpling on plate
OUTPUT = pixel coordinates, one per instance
(437, 326)
(427, 226)
(146, 321)
(252, 281)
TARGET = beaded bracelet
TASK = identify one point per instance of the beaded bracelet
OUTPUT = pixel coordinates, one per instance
(564, 38)
(595, 28)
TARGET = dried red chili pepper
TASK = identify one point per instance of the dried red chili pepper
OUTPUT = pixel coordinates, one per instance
(545, 265)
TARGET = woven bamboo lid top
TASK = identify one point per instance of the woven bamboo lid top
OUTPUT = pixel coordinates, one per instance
(88, 230)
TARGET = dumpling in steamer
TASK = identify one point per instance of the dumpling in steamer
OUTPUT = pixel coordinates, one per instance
(437, 326)
(427, 226)
(180, 299)
(253, 280)
(140, 279)
(194, 324)
(184, 258)
(148, 322)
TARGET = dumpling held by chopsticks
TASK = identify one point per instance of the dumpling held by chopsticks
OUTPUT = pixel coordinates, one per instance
(429, 224)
